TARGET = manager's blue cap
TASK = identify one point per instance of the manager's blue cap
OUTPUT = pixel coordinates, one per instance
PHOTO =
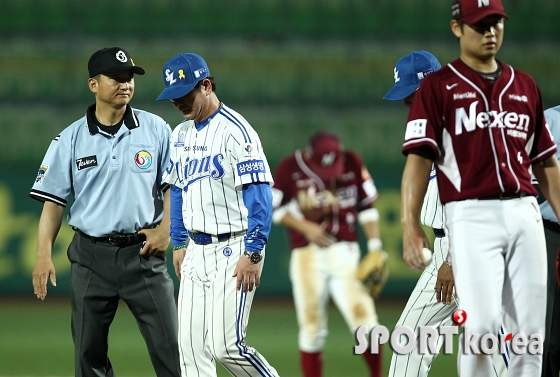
(181, 74)
(409, 72)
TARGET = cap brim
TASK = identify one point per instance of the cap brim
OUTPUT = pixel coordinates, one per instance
(398, 93)
(473, 19)
(326, 172)
(135, 69)
(173, 92)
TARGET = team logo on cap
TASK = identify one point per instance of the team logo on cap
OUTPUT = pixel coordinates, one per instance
(169, 77)
(143, 159)
(396, 74)
(121, 56)
(227, 251)
(41, 174)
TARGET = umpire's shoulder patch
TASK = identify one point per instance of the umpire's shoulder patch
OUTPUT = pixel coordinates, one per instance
(41, 174)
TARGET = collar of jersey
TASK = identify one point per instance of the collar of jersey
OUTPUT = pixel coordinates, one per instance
(130, 120)
(201, 125)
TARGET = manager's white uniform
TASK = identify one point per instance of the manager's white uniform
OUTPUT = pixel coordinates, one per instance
(211, 161)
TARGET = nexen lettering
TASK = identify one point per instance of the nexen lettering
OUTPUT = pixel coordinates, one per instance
(492, 118)
(197, 169)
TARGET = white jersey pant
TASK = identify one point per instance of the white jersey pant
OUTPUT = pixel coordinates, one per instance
(213, 314)
(423, 309)
(499, 257)
(319, 273)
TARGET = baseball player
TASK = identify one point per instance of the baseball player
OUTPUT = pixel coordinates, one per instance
(432, 301)
(221, 199)
(551, 349)
(481, 121)
(111, 161)
(320, 194)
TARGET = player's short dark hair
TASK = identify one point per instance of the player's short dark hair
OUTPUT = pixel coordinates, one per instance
(212, 81)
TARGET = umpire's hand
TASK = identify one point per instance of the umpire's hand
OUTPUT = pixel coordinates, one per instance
(43, 270)
(157, 240)
(248, 274)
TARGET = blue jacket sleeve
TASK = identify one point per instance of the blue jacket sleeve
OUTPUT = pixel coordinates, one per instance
(258, 200)
(179, 234)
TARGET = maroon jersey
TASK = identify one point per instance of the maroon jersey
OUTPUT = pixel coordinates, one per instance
(332, 203)
(483, 136)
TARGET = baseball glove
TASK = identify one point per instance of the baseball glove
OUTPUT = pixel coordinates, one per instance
(373, 272)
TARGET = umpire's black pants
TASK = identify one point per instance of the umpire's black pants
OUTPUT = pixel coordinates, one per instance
(101, 274)
(551, 349)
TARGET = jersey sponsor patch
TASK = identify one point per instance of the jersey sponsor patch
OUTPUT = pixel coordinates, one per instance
(227, 251)
(249, 167)
(86, 162)
(249, 153)
(415, 128)
(143, 159)
(41, 174)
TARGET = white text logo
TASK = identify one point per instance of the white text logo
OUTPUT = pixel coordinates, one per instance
(493, 118)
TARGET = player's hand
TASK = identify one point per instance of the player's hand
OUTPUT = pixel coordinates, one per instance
(314, 233)
(414, 239)
(178, 256)
(248, 274)
(157, 241)
(43, 270)
(444, 284)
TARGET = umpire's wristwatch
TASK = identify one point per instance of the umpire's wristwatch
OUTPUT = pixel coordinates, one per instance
(253, 256)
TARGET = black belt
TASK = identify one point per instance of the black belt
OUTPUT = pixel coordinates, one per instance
(205, 238)
(439, 233)
(116, 239)
(551, 225)
(504, 196)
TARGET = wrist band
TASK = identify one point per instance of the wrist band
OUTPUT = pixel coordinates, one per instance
(374, 244)
(447, 262)
(179, 247)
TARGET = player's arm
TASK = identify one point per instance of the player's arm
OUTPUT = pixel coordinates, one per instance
(547, 173)
(414, 184)
(179, 235)
(49, 226)
(257, 198)
(369, 221)
(289, 216)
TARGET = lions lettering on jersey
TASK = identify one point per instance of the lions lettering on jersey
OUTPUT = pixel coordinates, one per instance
(197, 169)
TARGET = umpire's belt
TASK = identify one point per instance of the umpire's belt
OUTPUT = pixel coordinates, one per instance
(551, 225)
(439, 233)
(116, 239)
(205, 238)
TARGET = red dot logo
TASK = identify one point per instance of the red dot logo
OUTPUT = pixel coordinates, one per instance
(459, 317)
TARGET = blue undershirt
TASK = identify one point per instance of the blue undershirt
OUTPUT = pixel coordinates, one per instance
(257, 198)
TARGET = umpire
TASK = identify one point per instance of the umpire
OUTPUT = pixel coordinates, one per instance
(111, 162)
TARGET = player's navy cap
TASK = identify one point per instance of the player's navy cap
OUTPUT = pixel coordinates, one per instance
(181, 74)
(409, 72)
(112, 61)
(326, 157)
(472, 11)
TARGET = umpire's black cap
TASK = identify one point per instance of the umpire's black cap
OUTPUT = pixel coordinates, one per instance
(112, 61)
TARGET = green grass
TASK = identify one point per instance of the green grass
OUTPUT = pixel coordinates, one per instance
(35, 340)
